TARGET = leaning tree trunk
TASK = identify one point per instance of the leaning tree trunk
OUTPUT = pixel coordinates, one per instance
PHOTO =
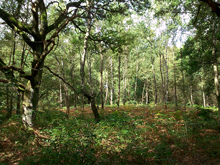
(84, 91)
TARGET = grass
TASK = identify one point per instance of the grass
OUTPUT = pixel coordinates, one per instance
(126, 135)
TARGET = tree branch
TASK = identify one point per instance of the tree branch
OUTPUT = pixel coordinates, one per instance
(13, 23)
(20, 86)
(63, 15)
(43, 15)
(61, 78)
(213, 5)
(8, 71)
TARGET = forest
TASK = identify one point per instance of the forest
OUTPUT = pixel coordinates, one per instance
(112, 82)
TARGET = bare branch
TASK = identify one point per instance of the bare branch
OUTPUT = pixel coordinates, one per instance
(51, 4)
(197, 14)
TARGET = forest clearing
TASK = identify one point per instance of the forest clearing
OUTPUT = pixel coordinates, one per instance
(109, 82)
(126, 135)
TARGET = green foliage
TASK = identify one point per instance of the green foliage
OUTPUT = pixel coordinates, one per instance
(132, 135)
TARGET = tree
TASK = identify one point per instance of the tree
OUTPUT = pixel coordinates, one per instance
(41, 38)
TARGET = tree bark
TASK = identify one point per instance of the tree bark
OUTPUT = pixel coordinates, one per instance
(106, 89)
(101, 71)
(167, 77)
(18, 109)
(191, 95)
(28, 105)
(183, 84)
(155, 81)
(9, 102)
(174, 75)
(215, 69)
(142, 99)
(124, 78)
(61, 98)
(112, 81)
(34, 35)
(119, 79)
(84, 91)
(147, 95)
(162, 80)
(19, 95)
(67, 100)
(203, 98)
(135, 87)
(75, 100)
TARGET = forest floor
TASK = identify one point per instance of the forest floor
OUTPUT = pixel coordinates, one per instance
(130, 135)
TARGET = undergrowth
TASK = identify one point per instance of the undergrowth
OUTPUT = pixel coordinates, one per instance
(126, 135)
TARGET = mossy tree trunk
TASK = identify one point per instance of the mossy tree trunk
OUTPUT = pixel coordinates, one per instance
(35, 34)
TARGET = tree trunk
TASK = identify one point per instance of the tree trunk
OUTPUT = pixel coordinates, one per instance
(67, 100)
(135, 87)
(28, 105)
(9, 103)
(174, 75)
(167, 77)
(101, 71)
(147, 95)
(32, 91)
(106, 89)
(112, 89)
(75, 100)
(89, 62)
(125, 82)
(18, 110)
(155, 81)
(215, 69)
(162, 80)
(119, 79)
(191, 95)
(20, 94)
(203, 98)
(183, 84)
(142, 99)
(61, 98)
(94, 109)
(82, 66)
